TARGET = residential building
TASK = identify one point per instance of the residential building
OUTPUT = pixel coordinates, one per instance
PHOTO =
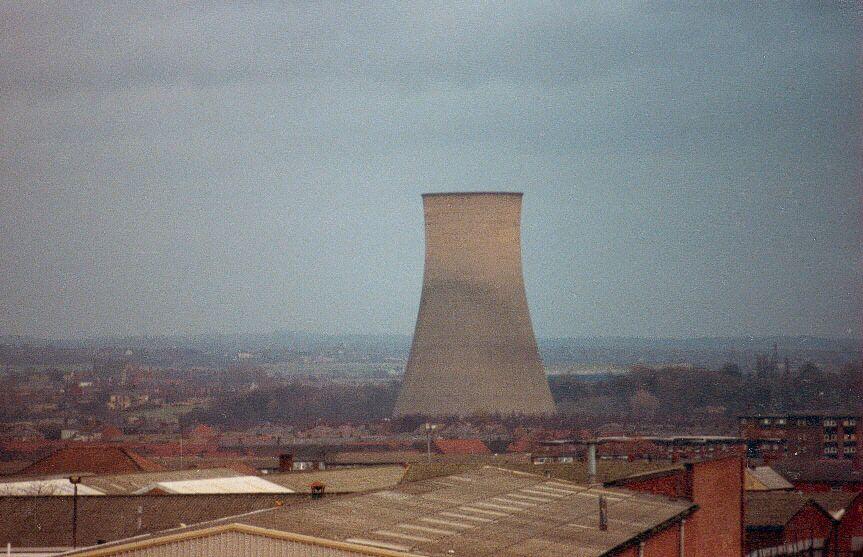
(814, 436)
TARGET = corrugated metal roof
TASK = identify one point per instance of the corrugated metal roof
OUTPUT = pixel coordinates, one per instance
(123, 484)
(47, 521)
(607, 470)
(236, 484)
(481, 512)
(342, 480)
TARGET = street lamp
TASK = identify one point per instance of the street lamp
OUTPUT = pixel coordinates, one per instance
(429, 429)
(74, 480)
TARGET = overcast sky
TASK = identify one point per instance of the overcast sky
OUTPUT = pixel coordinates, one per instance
(687, 171)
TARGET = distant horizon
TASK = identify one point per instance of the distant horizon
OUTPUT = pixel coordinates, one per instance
(277, 332)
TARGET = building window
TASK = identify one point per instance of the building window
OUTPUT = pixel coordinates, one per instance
(780, 421)
(765, 421)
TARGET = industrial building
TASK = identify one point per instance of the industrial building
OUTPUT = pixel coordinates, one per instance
(482, 512)
(473, 350)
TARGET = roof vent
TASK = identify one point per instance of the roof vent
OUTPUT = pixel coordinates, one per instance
(603, 513)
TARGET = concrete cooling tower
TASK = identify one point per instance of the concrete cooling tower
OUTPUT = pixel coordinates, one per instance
(473, 349)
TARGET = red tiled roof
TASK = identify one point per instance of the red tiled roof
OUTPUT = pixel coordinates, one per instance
(111, 432)
(94, 459)
(203, 430)
(521, 445)
(461, 446)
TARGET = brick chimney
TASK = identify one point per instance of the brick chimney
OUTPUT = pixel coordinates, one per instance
(286, 462)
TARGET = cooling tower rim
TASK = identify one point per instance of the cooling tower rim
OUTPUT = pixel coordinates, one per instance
(458, 193)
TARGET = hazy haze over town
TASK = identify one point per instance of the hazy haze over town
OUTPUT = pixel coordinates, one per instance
(686, 172)
(431, 278)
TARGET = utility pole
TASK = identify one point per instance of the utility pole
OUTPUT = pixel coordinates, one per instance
(429, 428)
(603, 513)
(74, 480)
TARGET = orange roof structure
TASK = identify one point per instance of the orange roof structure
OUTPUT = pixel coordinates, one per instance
(96, 459)
(461, 446)
(110, 432)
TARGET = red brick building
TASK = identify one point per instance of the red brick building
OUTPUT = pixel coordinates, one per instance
(811, 436)
(849, 530)
(783, 523)
(716, 486)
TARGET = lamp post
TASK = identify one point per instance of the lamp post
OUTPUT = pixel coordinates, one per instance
(74, 480)
(429, 429)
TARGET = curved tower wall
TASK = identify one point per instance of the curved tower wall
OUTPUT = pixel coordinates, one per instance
(473, 349)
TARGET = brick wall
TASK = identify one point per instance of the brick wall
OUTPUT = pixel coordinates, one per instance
(716, 486)
(716, 528)
(663, 544)
(851, 527)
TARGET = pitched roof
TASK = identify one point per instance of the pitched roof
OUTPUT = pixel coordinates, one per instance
(95, 459)
(127, 484)
(342, 480)
(374, 457)
(12, 466)
(230, 484)
(606, 470)
(461, 446)
(828, 471)
(773, 509)
(46, 521)
(243, 464)
(763, 478)
(835, 502)
(482, 512)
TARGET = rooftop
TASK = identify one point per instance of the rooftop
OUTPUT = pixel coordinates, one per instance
(763, 478)
(46, 521)
(127, 484)
(829, 471)
(480, 512)
(230, 484)
(773, 509)
(606, 470)
(94, 459)
(341, 480)
(461, 446)
(834, 502)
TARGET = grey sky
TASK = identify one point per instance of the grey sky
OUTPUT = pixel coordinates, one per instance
(687, 171)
